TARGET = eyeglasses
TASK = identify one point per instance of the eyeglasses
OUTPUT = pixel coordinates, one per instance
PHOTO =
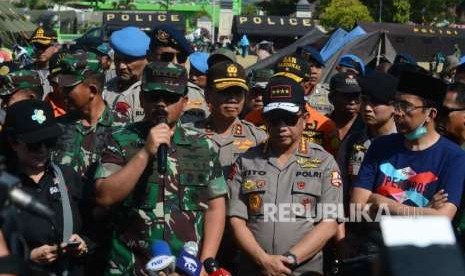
(35, 147)
(274, 118)
(446, 110)
(406, 107)
(169, 57)
(167, 98)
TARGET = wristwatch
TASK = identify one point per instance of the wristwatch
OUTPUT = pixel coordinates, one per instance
(292, 260)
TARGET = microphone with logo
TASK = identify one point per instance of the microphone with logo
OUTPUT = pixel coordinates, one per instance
(213, 269)
(187, 262)
(162, 260)
(160, 116)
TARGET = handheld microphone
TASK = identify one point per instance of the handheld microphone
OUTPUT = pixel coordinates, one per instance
(162, 152)
(187, 262)
(22, 199)
(213, 269)
(162, 261)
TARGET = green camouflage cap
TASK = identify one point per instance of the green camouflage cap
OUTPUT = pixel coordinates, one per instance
(70, 69)
(260, 77)
(22, 79)
(164, 76)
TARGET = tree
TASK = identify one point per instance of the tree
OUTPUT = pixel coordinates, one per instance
(344, 14)
(401, 11)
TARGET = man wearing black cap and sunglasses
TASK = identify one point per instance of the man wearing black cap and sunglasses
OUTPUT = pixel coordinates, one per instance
(167, 44)
(287, 172)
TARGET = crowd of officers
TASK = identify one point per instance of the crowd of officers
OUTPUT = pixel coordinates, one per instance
(82, 131)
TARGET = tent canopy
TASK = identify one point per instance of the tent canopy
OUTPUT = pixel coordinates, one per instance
(311, 37)
(422, 42)
(12, 25)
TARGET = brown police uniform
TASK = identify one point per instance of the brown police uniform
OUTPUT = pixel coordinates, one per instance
(243, 136)
(310, 177)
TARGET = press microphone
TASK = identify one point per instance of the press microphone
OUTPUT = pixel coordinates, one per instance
(162, 260)
(213, 269)
(22, 199)
(162, 153)
(187, 262)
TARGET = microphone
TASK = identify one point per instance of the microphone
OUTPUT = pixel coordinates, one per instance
(213, 269)
(22, 199)
(25, 201)
(162, 153)
(187, 262)
(162, 261)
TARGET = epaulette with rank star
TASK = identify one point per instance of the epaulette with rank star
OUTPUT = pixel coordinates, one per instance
(238, 130)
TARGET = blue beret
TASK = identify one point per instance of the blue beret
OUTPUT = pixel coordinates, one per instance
(168, 35)
(354, 62)
(310, 53)
(130, 41)
(198, 60)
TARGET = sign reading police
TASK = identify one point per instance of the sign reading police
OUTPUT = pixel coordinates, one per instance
(143, 20)
(275, 25)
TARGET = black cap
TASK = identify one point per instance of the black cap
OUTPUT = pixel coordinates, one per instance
(378, 86)
(285, 94)
(226, 74)
(168, 35)
(31, 121)
(294, 67)
(344, 83)
(423, 86)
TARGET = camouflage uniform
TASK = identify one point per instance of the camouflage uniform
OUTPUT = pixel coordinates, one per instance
(81, 147)
(166, 207)
(22, 79)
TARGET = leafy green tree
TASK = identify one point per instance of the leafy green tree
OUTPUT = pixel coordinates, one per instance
(344, 14)
(401, 11)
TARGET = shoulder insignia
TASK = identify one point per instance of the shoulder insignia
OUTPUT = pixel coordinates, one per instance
(237, 130)
(303, 146)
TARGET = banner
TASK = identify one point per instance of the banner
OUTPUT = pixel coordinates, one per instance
(272, 25)
(143, 20)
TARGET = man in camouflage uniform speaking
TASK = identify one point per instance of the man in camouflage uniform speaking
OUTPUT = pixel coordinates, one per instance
(185, 204)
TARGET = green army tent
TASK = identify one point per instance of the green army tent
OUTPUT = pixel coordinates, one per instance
(13, 27)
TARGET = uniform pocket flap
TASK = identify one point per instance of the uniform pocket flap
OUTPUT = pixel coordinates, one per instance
(306, 187)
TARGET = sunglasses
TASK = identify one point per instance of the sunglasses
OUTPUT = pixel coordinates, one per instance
(169, 57)
(167, 98)
(274, 118)
(35, 147)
